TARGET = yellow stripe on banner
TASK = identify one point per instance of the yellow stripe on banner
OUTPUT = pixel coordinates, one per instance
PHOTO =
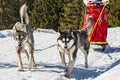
(89, 37)
(98, 43)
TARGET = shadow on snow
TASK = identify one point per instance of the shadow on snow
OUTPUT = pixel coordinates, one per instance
(7, 65)
(78, 73)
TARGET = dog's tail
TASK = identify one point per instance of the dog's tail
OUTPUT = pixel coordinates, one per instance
(89, 25)
(23, 13)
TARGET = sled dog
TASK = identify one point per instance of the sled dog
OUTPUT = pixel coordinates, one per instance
(24, 40)
(70, 41)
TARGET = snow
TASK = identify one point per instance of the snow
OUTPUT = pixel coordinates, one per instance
(102, 65)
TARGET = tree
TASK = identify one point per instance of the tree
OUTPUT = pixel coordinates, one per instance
(71, 15)
(45, 13)
(9, 13)
(64, 14)
(114, 13)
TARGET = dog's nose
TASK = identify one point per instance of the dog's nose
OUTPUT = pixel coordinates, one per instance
(65, 47)
(19, 44)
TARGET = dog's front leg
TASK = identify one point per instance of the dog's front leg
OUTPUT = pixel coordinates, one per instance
(72, 57)
(20, 66)
(62, 55)
(31, 59)
(27, 54)
(30, 64)
(63, 58)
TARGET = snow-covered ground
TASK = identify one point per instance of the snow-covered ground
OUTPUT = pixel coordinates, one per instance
(102, 65)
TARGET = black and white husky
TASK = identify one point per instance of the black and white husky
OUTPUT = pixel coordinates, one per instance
(24, 40)
(70, 41)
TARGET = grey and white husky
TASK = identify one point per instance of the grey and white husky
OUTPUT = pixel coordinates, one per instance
(24, 40)
(70, 41)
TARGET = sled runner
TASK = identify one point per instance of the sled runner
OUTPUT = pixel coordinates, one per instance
(99, 12)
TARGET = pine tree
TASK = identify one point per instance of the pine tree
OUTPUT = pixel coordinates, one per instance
(9, 13)
(114, 20)
(64, 14)
(70, 18)
(45, 13)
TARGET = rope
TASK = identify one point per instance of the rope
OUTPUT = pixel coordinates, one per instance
(42, 49)
(46, 48)
(97, 21)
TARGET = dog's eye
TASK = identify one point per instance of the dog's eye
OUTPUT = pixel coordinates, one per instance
(63, 39)
(67, 39)
(16, 38)
(22, 38)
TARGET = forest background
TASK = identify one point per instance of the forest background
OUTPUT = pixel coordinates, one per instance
(52, 14)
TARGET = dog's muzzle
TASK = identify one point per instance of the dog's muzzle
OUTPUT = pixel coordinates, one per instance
(19, 44)
(65, 47)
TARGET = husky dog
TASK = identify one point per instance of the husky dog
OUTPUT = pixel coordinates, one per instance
(24, 40)
(70, 41)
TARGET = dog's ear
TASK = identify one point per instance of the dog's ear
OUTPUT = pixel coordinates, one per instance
(59, 31)
(71, 31)
(15, 26)
(16, 30)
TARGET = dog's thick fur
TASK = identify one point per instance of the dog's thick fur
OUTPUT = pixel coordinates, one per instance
(68, 43)
(24, 40)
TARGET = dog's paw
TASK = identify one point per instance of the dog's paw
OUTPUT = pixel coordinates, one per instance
(34, 65)
(66, 75)
(86, 66)
(64, 64)
(20, 70)
(31, 65)
(30, 68)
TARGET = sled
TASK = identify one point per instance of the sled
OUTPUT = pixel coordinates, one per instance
(99, 12)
